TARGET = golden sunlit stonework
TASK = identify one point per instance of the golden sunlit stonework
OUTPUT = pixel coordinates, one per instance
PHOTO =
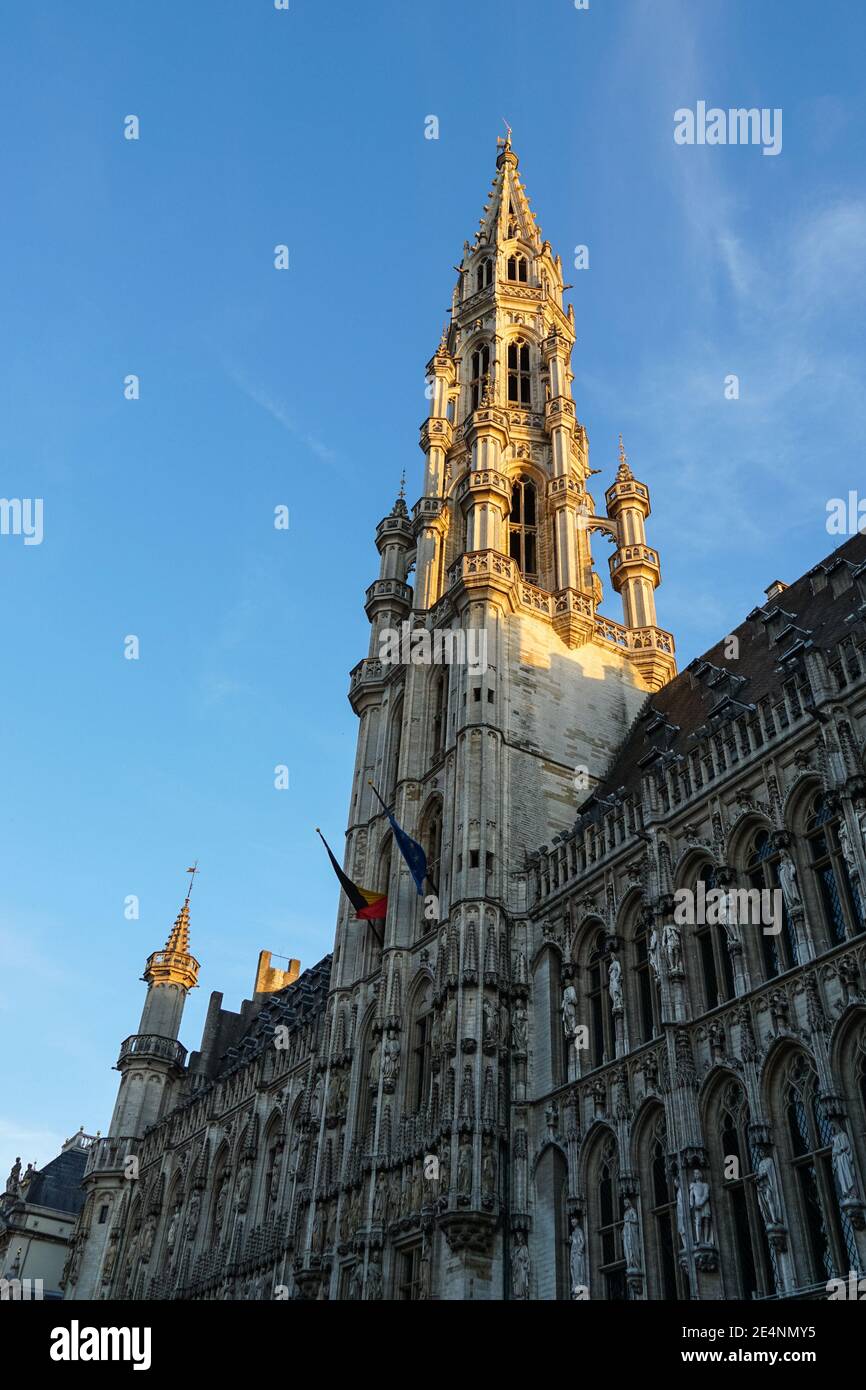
(534, 1082)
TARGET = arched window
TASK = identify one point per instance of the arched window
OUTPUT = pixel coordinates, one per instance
(439, 715)
(421, 1061)
(762, 871)
(830, 1248)
(369, 1059)
(661, 1235)
(754, 1267)
(480, 372)
(716, 971)
(523, 531)
(840, 904)
(516, 269)
(608, 1221)
(603, 1035)
(649, 1018)
(431, 842)
(273, 1170)
(519, 381)
(484, 274)
(395, 739)
(551, 1227)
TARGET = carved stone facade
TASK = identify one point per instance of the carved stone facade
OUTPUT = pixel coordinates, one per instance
(537, 1081)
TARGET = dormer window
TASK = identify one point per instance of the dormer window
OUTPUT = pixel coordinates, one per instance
(484, 275)
(480, 371)
(516, 269)
(523, 534)
(519, 388)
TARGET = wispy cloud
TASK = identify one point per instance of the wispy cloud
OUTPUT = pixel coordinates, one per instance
(284, 417)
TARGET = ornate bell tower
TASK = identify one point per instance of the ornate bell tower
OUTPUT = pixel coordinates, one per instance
(476, 751)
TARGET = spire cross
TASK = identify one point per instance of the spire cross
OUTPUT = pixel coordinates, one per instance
(192, 873)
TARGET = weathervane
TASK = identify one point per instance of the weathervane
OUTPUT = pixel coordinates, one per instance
(192, 873)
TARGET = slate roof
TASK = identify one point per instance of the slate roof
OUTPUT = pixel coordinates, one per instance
(58, 1184)
(780, 628)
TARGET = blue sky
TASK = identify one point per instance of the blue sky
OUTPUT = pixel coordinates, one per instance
(306, 387)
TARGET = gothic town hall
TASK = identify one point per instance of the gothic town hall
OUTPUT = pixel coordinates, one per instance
(535, 1083)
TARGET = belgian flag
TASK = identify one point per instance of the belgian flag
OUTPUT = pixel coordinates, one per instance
(369, 906)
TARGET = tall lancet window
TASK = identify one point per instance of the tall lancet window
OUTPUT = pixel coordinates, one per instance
(484, 274)
(519, 383)
(480, 370)
(516, 269)
(523, 533)
(762, 871)
(838, 896)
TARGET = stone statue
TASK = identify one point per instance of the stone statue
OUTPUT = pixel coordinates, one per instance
(614, 983)
(846, 848)
(490, 1023)
(699, 1204)
(767, 1184)
(221, 1202)
(171, 1233)
(13, 1178)
(374, 1280)
(464, 1169)
(375, 1061)
(110, 1256)
(425, 1271)
(316, 1099)
(276, 1167)
(577, 1257)
(355, 1283)
(445, 1168)
(788, 882)
(318, 1232)
(570, 1010)
(672, 946)
(728, 918)
(681, 1212)
(391, 1066)
(380, 1200)
(520, 1267)
(631, 1236)
(147, 1237)
(449, 1025)
(193, 1213)
(245, 1182)
(843, 1165)
(330, 1225)
(488, 1172)
(654, 955)
(518, 1028)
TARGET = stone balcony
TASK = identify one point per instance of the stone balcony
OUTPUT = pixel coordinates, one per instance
(109, 1154)
(152, 1045)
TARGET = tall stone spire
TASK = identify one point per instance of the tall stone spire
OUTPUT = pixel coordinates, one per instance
(153, 1054)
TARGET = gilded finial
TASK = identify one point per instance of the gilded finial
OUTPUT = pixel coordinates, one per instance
(402, 492)
(623, 472)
